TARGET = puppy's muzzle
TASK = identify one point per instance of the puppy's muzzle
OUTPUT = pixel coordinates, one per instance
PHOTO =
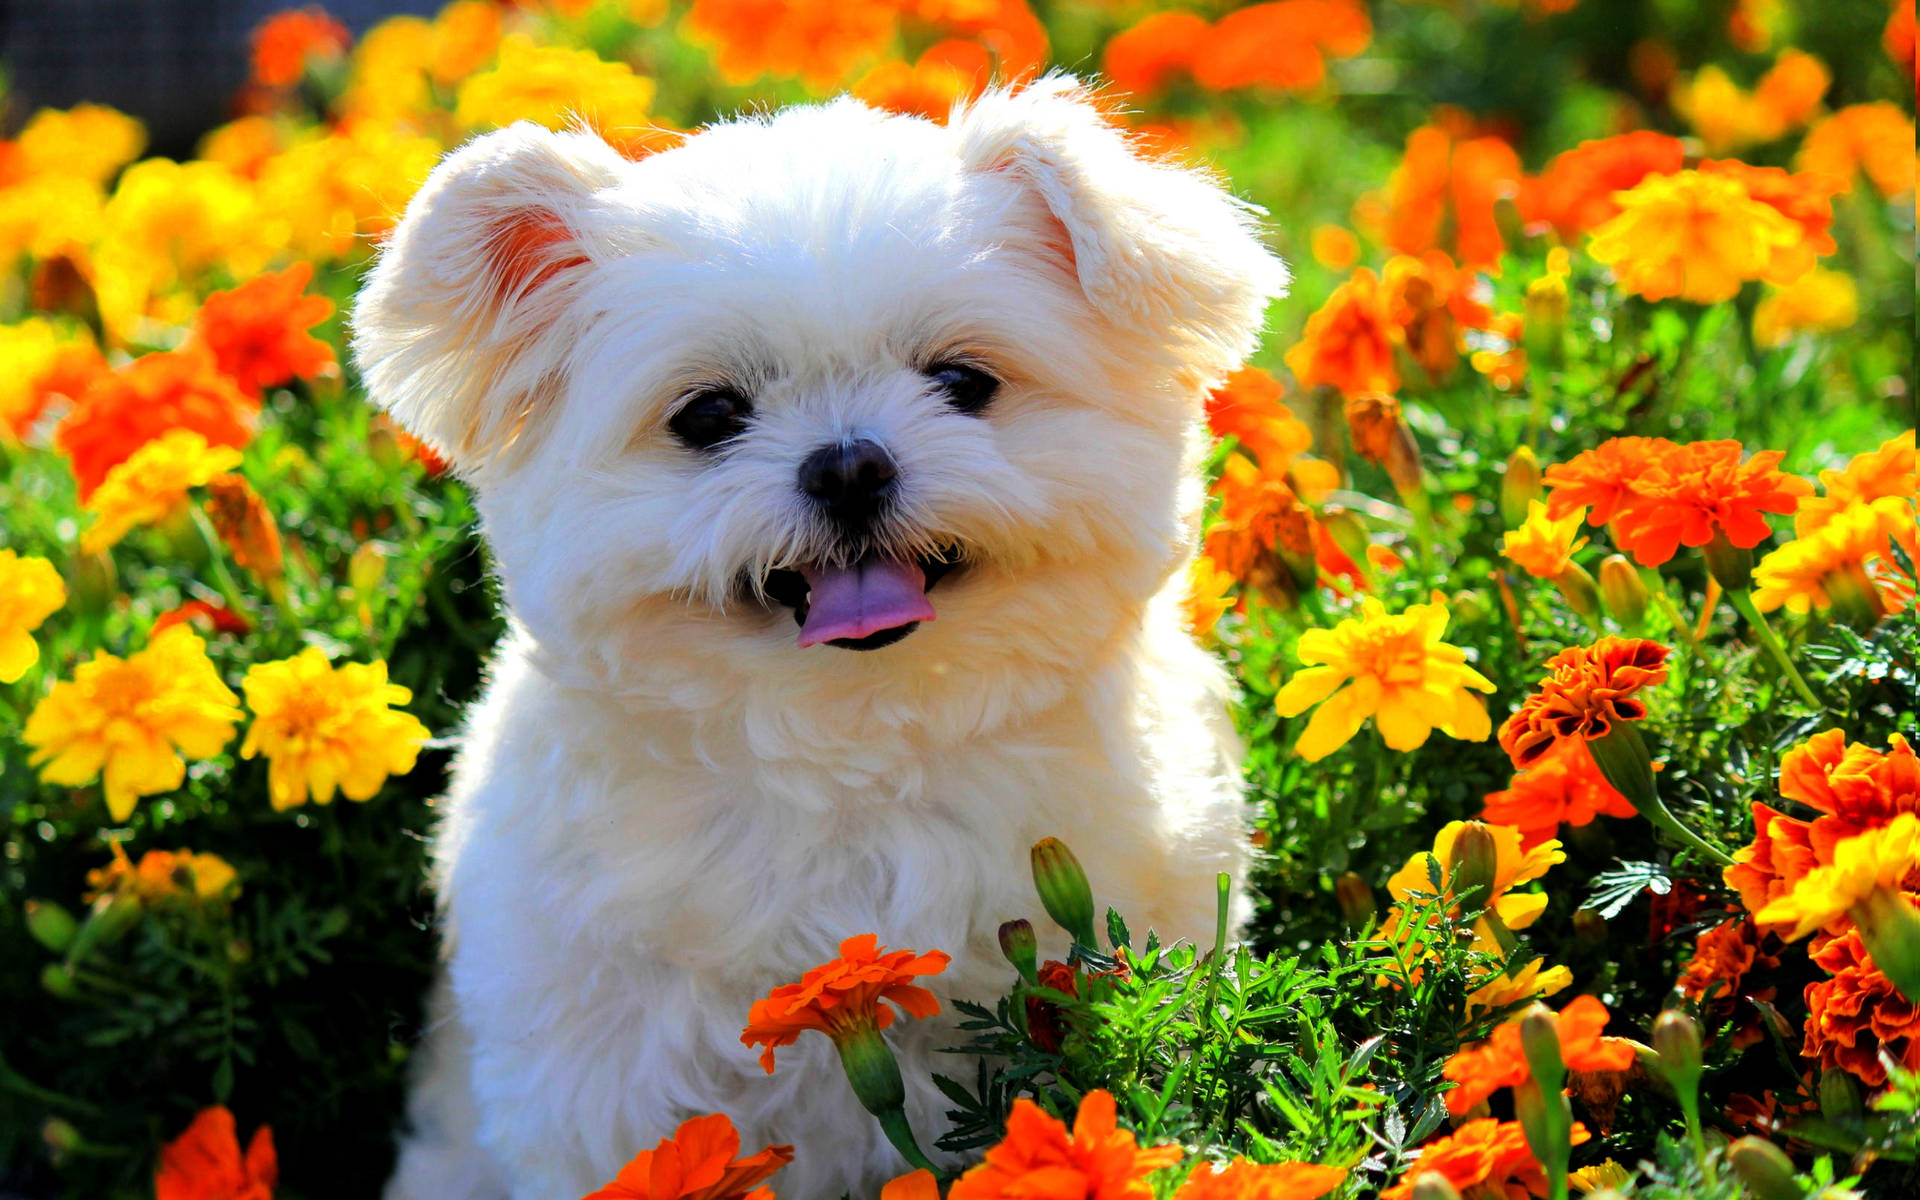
(850, 481)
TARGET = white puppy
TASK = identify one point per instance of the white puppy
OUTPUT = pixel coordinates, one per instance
(813, 384)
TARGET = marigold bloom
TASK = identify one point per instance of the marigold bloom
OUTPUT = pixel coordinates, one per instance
(1857, 1015)
(1883, 859)
(1806, 200)
(1586, 690)
(1431, 305)
(1512, 867)
(1439, 177)
(844, 996)
(1040, 1157)
(1146, 57)
(133, 720)
(466, 34)
(1696, 236)
(1207, 598)
(324, 727)
(245, 526)
(38, 364)
(551, 85)
(1841, 552)
(1533, 982)
(257, 333)
(161, 875)
(1282, 44)
(1887, 472)
(1603, 479)
(820, 41)
(1779, 856)
(88, 141)
(1247, 407)
(1242, 1180)
(1821, 302)
(947, 73)
(211, 617)
(1484, 1068)
(914, 1185)
(1575, 193)
(1481, 1158)
(1543, 547)
(152, 484)
(1853, 786)
(1562, 788)
(1722, 957)
(284, 42)
(1260, 515)
(1393, 668)
(337, 193)
(31, 590)
(205, 1163)
(699, 1162)
(1348, 342)
(1690, 494)
(152, 395)
(1875, 139)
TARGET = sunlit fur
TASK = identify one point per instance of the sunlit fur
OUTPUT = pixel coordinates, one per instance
(663, 807)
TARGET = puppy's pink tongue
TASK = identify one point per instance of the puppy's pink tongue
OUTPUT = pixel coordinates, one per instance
(861, 600)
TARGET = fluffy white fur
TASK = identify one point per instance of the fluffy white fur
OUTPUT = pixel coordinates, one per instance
(663, 807)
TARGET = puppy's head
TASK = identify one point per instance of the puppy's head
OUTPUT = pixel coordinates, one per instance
(815, 382)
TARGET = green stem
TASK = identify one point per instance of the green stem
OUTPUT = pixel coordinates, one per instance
(1742, 601)
(900, 1133)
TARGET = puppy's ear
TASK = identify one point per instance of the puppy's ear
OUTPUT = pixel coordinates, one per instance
(447, 329)
(1157, 248)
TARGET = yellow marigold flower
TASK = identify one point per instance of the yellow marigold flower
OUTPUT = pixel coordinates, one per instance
(1882, 859)
(1875, 139)
(1801, 574)
(161, 875)
(1608, 1174)
(30, 592)
(133, 721)
(1886, 472)
(465, 36)
(1821, 301)
(88, 141)
(1725, 115)
(334, 194)
(196, 215)
(1695, 236)
(1394, 668)
(1512, 866)
(388, 81)
(151, 484)
(1532, 982)
(551, 85)
(36, 360)
(324, 727)
(1542, 546)
(44, 215)
(1208, 595)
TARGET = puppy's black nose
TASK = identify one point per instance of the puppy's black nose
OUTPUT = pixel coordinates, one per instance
(849, 479)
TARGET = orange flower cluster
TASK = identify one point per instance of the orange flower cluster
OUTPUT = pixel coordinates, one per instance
(1480, 1070)
(844, 996)
(1283, 44)
(1097, 1158)
(285, 41)
(1420, 305)
(1242, 1180)
(697, 1163)
(1656, 496)
(1562, 787)
(1722, 959)
(1875, 140)
(1445, 176)
(822, 42)
(1856, 1015)
(1481, 1158)
(1586, 690)
(205, 1162)
(152, 395)
(1574, 195)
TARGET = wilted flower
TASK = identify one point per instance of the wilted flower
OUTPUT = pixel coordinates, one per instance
(1097, 1158)
(324, 727)
(1394, 668)
(699, 1162)
(151, 484)
(205, 1163)
(133, 720)
(31, 590)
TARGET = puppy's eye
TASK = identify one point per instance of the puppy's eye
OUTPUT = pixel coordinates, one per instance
(709, 418)
(968, 389)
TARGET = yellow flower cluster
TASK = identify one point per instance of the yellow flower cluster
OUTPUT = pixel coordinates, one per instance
(324, 727)
(152, 484)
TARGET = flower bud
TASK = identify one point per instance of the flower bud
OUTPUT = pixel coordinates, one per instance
(1519, 487)
(58, 980)
(1064, 891)
(1890, 926)
(1577, 587)
(367, 568)
(1623, 590)
(1544, 319)
(1540, 1042)
(51, 925)
(1355, 898)
(1434, 1186)
(1547, 1120)
(92, 581)
(1765, 1169)
(60, 1137)
(109, 921)
(1475, 863)
(1626, 763)
(1731, 565)
(1676, 1039)
(1021, 948)
(1840, 1097)
(1852, 598)
(241, 519)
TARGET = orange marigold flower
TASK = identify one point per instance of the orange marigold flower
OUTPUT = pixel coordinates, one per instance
(1242, 1180)
(1586, 690)
(1543, 546)
(1481, 1158)
(1722, 957)
(1780, 855)
(257, 333)
(1208, 595)
(1875, 139)
(1806, 200)
(161, 875)
(1247, 407)
(820, 41)
(204, 615)
(1575, 193)
(1143, 59)
(1885, 473)
(946, 74)
(1431, 305)
(1348, 343)
(843, 997)
(1039, 1157)
(1898, 39)
(1440, 177)
(1854, 786)
(1603, 479)
(1701, 490)
(1280, 45)
(1259, 515)
(125, 409)
(1857, 1015)
(697, 1163)
(205, 1162)
(1480, 1070)
(284, 42)
(1562, 788)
